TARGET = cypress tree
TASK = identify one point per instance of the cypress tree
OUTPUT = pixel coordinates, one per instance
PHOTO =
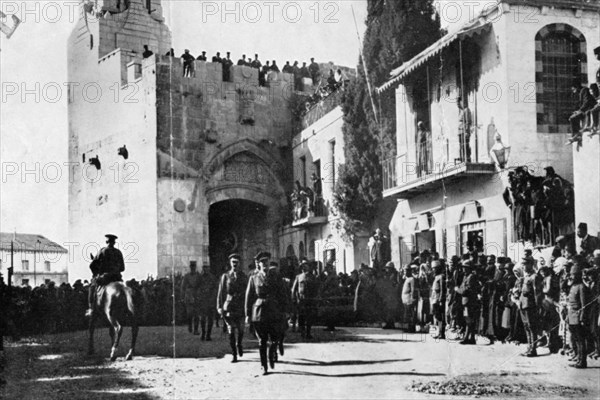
(397, 30)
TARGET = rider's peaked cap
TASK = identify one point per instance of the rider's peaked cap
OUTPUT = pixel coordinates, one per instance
(110, 236)
(235, 256)
(262, 255)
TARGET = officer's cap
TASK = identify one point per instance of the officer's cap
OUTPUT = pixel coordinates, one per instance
(597, 50)
(390, 265)
(583, 226)
(193, 263)
(110, 236)
(263, 255)
(235, 256)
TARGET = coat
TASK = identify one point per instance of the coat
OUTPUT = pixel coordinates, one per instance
(189, 288)
(231, 294)
(266, 298)
(578, 298)
(207, 291)
(305, 290)
(531, 291)
(410, 294)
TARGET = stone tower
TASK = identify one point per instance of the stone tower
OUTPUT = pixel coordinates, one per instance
(180, 168)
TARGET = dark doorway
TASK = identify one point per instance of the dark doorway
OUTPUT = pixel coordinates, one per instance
(236, 226)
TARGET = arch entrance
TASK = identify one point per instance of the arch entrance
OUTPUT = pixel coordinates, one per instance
(237, 226)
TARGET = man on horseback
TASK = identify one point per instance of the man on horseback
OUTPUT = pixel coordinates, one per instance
(106, 268)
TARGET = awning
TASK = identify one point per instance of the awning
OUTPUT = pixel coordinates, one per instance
(474, 27)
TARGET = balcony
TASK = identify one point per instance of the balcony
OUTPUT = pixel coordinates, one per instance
(406, 177)
(305, 216)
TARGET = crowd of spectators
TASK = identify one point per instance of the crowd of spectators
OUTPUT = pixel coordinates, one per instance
(554, 304)
(311, 71)
(586, 118)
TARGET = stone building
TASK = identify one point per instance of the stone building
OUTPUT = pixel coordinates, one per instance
(35, 259)
(513, 64)
(314, 230)
(180, 168)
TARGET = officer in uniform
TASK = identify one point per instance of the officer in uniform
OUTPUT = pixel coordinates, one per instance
(305, 290)
(578, 315)
(230, 303)
(108, 265)
(468, 290)
(206, 301)
(265, 305)
(189, 289)
(530, 303)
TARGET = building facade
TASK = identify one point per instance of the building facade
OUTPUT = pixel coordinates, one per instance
(514, 75)
(314, 231)
(179, 165)
(35, 259)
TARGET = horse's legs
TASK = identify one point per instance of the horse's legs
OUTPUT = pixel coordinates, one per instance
(118, 329)
(134, 333)
(91, 325)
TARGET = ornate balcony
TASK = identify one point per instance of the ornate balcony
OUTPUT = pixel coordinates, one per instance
(406, 179)
(307, 215)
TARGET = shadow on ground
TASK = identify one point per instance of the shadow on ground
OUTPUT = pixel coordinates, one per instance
(55, 371)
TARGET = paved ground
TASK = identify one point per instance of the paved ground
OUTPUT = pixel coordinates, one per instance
(352, 363)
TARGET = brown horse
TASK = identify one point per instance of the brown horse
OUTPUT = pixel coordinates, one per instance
(116, 303)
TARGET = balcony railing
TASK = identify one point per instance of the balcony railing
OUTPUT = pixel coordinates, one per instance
(407, 174)
(310, 214)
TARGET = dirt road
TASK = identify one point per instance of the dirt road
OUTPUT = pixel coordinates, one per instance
(352, 363)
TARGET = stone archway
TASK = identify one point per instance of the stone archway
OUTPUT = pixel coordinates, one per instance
(244, 201)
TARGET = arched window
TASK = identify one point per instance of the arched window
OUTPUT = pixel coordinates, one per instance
(560, 58)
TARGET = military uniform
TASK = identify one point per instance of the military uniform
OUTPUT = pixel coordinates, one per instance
(265, 304)
(189, 289)
(438, 300)
(230, 304)
(577, 317)
(468, 291)
(206, 301)
(305, 290)
(106, 268)
(530, 301)
(410, 297)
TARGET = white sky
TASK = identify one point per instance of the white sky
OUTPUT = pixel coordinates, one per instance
(34, 125)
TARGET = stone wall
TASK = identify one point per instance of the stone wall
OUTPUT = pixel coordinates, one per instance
(234, 135)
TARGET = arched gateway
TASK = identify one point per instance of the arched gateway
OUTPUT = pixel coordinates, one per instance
(245, 199)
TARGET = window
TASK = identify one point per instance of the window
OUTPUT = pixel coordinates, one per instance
(560, 58)
(47, 266)
(25, 265)
(329, 256)
(303, 170)
(473, 237)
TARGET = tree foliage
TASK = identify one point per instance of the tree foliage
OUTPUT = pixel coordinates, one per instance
(397, 30)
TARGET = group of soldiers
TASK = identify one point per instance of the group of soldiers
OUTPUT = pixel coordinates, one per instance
(264, 299)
